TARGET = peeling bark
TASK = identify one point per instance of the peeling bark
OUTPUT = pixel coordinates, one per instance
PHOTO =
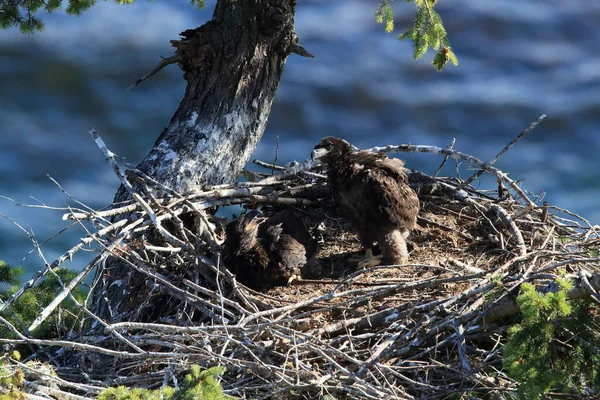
(232, 65)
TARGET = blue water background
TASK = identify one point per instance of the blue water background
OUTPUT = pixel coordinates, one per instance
(517, 61)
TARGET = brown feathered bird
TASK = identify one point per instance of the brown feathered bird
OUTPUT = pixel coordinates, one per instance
(372, 193)
(266, 252)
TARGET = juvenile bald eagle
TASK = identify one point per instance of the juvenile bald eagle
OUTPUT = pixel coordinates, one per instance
(263, 253)
(372, 193)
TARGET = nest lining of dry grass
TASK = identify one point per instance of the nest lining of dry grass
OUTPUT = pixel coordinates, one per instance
(422, 330)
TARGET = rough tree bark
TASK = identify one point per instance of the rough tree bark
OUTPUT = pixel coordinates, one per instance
(232, 65)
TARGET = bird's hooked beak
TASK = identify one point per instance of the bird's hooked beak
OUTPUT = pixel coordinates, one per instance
(252, 219)
(318, 153)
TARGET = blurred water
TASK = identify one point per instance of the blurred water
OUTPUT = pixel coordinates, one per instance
(517, 61)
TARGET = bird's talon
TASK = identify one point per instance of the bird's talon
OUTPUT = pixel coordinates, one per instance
(367, 261)
(293, 278)
(356, 259)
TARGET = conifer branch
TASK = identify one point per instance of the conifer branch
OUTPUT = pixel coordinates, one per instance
(23, 13)
(427, 31)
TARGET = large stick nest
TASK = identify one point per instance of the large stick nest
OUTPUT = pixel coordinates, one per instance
(432, 327)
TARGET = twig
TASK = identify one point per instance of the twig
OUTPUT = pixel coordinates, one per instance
(437, 171)
(65, 292)
(457, 155)
(506, 148)
(268, 165)
(301, 51)
(109, 156)
(516, 233)
(92, 348)
(165, 61)
(460, 346)
(101, 214)
(586, 284)
(276, 155)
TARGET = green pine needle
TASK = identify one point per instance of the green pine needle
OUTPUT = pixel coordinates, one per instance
(420, 47)
(25, 13)
(385, 15)
(554, 345)
(427, 31)
(198, 384)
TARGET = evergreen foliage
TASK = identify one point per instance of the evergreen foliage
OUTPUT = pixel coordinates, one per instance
(25, 309)
(11, 379)
(198, 385)
(426, 32)
(10, 275)
(555, 345)
(23, 13)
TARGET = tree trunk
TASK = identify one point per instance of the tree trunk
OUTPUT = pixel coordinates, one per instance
(232, 65)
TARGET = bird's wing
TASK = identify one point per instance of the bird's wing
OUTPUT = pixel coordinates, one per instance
(389, 183)
(381, 187)
(271, 236)
(293, 226)
(284, 250)
(292, 253)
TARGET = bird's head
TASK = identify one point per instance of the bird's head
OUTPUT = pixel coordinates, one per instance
(251, 220)
(242, 232)
(330, 149)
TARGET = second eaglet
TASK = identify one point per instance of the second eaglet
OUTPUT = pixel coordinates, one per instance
(266, 252)
(372, 193)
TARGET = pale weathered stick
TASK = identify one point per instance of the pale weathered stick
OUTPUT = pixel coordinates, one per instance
(64, 293)
(516, 233)
(268, 165)
(460, 345)
(405, 148)
(92, 348)
(102, 214)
